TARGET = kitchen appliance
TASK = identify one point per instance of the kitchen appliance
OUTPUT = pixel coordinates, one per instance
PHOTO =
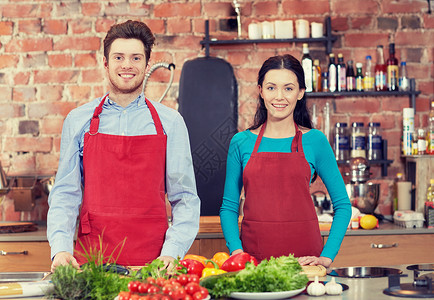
(154, 67)
(363, 194)
(364, 272)
(421, 287)
(4, 187)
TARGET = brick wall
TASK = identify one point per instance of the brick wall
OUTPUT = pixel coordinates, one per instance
(51, 62)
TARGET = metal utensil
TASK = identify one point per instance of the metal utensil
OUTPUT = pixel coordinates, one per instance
(364, 196)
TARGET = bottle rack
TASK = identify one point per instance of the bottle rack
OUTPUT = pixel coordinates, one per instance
(328, 39)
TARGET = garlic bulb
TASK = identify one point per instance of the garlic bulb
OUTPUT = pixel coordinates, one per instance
(333, 288)
(316, 288)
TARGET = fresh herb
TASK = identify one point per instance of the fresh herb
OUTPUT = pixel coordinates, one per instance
(273, 275)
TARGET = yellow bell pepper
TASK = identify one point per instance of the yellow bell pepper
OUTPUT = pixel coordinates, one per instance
(211, 271)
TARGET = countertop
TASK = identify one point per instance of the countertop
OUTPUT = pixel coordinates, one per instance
(210, 229)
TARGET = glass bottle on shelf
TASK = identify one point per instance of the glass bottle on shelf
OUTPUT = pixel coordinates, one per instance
(332, 73)
(307, 64)
(404, 81)
(316, 76)
(359, 77)
(421, 141)
(342, 76)
(392, 69)
(368, 80)
(358, 140)
(380, 71)
(351, 77)
(374, 141)
(399, 177)
(341, 142)
(430, 133)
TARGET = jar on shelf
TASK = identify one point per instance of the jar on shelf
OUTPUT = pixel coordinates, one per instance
(341, 141)
(374, 144)
(421, 141)
(358, 140)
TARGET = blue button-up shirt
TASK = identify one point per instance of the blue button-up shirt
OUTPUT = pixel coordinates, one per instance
(135, 119)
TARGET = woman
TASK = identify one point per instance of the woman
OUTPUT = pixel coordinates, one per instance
(275, 161)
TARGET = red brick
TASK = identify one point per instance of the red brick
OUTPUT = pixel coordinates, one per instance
(9, 110)
(59, 60)
(92, 75)
(80, 26)
(29, 45)
(64, 9)
(247, 74)
(103, 25)
(55, 27)
(427, 87)
(91, 9)
(355, 7)
(177, 10)
(157, 26)
(47, 163)
(362, 23)
(237, 58)
(45, 10)
(79, 92)
(55, 76)
(50, 93)
(6, 27)
(24, 94)
(297, 7)
(52, 125)
(34, 60)
(29, 144)
(85, 60)
(178, 25)
(7, 61)
(199, 26)
(139, 9)
(266, 8)
(159, 56)
(428, 20)
(21, 78)
(357, 105)
(39, 110)
(6, 92)
(116, 9)
(366, 39)
(405, 6)
(414, 38)
(20, 10)
(78, 43)
(340, 24)
(29, 26)
(217, 9)
(56, 144)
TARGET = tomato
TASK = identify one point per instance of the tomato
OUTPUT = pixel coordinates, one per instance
(134, 297)
(133, 286)
(146, 297)
(124, 295)
(143, 287)
(167, 288)
(198, 296)
(153, 289)
(155, 297)
(193, 278)
(192, 287)
(182, 279)
(204, 292)
(165, 297)
(150, 280)
(188, 297)
(172, 281)
(160, 281)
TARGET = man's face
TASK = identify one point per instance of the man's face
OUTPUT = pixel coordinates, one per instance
(126, 66)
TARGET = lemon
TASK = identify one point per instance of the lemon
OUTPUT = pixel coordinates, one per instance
(368, 222)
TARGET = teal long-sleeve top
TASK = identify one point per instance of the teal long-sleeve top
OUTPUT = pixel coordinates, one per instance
(321, 159)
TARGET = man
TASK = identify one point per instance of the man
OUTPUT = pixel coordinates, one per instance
(119, 156)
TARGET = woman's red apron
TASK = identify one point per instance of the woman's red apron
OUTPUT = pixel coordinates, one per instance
(279, 215)
(124, 194)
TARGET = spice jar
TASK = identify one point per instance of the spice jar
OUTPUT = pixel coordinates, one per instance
(358, 140)
(421, 141)
(341, 142)
(374, 142)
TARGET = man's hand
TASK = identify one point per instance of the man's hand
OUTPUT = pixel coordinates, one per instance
(168, 263)
(62, 259)
(314, 261)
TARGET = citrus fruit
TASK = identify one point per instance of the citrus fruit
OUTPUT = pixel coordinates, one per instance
(368, 222)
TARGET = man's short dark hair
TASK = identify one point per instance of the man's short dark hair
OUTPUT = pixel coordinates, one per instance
(130, 30)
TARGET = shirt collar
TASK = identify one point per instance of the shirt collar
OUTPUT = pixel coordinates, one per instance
(138, 102)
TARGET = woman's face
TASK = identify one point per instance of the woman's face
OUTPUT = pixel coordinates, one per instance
(280, 91)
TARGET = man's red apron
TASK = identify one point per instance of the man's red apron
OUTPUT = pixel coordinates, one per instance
(124, 194)
(279, 215)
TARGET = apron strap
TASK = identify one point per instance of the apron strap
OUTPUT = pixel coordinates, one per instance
(155, 117)
(296, 145)
(94, 123)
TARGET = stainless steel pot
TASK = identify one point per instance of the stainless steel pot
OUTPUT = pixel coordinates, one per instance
(364, 196)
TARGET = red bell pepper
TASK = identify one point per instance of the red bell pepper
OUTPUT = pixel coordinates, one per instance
(238, 262)
(193, 266)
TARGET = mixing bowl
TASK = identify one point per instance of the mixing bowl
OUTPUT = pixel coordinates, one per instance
(364, 196)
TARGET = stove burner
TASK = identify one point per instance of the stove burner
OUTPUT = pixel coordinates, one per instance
(420, 288)
(364, 272)
(423, 267)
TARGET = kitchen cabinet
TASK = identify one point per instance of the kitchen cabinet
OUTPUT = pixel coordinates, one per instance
(208, 246)
(37, 258)
(406, 249)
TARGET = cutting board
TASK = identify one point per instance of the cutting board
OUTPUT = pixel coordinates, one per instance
(14, 227)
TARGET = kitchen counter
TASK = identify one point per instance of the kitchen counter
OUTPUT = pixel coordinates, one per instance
(210, 229)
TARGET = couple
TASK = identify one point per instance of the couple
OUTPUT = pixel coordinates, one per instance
(128, 153)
